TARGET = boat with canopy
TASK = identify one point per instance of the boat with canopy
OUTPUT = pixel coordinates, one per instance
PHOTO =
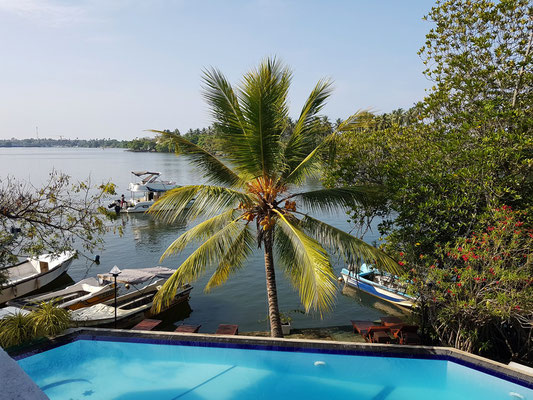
(131, 307)
(147, 191)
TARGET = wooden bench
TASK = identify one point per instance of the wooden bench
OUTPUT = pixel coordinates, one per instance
(147, 325)
(361, 327)
(388, 321)
(225, 329)
(378, 334)
(188, 328)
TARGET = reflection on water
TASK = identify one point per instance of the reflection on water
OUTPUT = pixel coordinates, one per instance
(382, 305)
(242, 300)
(148, 230)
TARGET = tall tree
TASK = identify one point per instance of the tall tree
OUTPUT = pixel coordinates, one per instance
(463, 152)
(259, 192)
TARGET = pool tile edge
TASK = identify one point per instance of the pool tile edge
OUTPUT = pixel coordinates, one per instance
(493, 368)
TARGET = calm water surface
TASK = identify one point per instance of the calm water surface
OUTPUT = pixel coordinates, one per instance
(242, 300)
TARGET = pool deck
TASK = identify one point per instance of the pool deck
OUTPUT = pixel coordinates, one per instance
(15, 383)
(494, 368)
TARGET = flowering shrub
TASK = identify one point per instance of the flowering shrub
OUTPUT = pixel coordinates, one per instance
(478, 296)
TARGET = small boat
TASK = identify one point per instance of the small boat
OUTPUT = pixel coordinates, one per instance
(132, 307)
(147, 191)
(85, 293)
(33, 274)
(381, 285)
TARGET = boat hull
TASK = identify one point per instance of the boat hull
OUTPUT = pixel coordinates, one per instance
(85, 293)
(22, 287)
(376, 290)
(129, 319)
(139, 207)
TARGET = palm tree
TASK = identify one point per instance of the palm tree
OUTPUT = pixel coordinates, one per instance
(253, 199)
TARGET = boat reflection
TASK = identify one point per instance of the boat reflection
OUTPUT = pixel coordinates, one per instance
(149, 230)
(372, 301)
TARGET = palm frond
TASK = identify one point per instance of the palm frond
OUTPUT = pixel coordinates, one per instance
(263, 99)
(200, 232)
(190, 202)
(311, 271)
(333, 199)
(308, 167)
(301, 141)
(357, 120)
(350, 247)
(234, 258)
(234, 129)
(310, 164)
(214, 169)
(205, 256)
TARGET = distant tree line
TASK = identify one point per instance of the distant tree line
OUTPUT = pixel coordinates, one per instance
(207, 138)
(90, 143)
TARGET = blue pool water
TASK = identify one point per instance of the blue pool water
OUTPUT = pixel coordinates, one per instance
(88, 369)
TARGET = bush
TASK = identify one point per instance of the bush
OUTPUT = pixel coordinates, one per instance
(478, 295)
(46, 320)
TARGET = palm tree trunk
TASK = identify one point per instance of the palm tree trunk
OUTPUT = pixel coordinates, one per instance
(272, 294)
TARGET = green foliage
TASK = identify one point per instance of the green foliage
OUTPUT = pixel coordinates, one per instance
(51, 218)
(45, 320)
(479, 290)
(49, 320)
(462, 152)
(15, 329)
(269, 157)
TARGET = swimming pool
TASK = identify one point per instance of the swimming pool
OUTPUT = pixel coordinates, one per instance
(104, 368)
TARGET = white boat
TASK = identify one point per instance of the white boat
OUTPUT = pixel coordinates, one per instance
(382, 285)
(85, 293)
(147, 191)
(132, 307)
(33, 274)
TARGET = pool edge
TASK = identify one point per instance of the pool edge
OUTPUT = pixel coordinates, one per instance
(482, 364)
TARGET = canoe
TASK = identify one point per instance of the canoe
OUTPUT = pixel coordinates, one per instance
(85, 293)
(32, 274)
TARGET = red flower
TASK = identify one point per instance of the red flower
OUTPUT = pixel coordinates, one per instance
(519, 223)
(459, 284)
(432, 266)
(401, 263)
(465, 257)
(490, 228)
(401, 254)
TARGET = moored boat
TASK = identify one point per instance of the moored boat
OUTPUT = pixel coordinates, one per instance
(378, 284)
(147, 191)
(131, 307)
(32, 274)
(85, 293)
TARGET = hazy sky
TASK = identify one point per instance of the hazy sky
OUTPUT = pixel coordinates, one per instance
(113, 68)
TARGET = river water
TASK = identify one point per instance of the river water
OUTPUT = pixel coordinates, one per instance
(242, 300)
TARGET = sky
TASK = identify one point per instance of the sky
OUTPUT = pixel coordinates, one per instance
(115, 68)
